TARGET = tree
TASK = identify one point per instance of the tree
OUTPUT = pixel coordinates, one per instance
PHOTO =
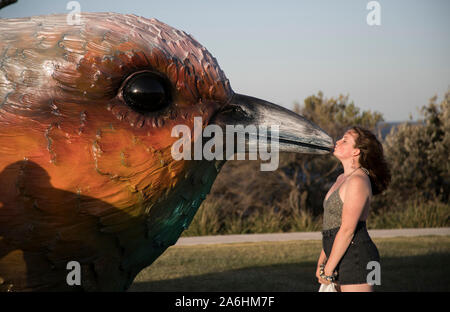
(419, 155)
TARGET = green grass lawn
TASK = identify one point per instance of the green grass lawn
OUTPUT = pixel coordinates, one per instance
(407, 264)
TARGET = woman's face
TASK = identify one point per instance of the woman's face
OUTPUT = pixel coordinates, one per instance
(345, 146)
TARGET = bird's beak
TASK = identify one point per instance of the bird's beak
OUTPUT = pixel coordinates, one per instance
(295, 133)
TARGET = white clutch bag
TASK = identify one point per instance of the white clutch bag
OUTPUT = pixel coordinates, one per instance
(327, 288)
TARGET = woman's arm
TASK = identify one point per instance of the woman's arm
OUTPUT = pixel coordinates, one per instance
(356, 196)
(322, 258)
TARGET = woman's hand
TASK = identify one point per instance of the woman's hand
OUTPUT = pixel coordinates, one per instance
(322, 259)
(319, 279)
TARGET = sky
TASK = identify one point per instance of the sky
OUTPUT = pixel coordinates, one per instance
(285, 51)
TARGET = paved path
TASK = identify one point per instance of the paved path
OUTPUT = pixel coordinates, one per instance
(244, 238)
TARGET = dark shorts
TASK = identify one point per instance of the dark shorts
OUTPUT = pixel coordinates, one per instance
(352, 269)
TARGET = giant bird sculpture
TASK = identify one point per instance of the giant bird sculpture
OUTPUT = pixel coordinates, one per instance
(86, 172)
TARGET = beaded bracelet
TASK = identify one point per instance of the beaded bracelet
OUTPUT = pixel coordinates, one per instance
(330, 278)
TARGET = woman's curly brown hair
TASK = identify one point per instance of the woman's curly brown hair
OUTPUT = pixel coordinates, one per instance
(372, 158)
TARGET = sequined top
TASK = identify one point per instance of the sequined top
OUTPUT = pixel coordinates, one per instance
(332, 211)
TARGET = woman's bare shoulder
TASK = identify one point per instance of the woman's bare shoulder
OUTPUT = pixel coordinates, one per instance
(359, 181)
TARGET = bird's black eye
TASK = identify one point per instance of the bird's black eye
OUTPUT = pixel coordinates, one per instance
(146, 92)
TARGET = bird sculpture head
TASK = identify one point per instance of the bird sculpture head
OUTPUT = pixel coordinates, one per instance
(86, 119)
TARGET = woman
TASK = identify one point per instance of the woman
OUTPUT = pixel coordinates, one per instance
(347, 247)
